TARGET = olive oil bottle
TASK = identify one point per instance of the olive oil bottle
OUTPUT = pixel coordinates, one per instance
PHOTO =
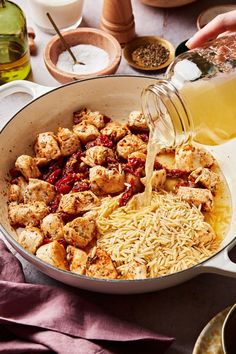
(14, 50)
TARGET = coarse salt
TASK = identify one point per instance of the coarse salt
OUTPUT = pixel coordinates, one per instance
(94, 58)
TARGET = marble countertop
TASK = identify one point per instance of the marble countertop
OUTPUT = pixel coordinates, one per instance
(181, 311)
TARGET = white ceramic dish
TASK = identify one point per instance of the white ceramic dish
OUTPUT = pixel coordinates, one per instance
(116, 96)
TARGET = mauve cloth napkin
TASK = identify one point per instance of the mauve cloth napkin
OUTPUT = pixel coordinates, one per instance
(46, 319)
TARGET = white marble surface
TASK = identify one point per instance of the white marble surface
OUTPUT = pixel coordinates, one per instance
(181, 311)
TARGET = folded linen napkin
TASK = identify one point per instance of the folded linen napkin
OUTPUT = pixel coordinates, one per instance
(45, 319)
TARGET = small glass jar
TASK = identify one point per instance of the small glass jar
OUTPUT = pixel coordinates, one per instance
(197, 99)
(14, 51)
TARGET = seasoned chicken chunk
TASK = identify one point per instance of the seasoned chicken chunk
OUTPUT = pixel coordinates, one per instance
(68, 141)
(31, 239)
(206, 178)
(53, 253)
(27, 166)
(52, 226)
(95, 118)
(189, 158)
(137, 271)
(85, 131)
(74, 203)
(129, 144)
(77, 260)
(137, 121)
(100, 265)
(204, 235)
(27, 214)
(158, 179)
(197, 196)
(38, 190)
(46, 146)
(105, 181)
(115, 131)
(80, 231)
(16, 190)
(98, 155)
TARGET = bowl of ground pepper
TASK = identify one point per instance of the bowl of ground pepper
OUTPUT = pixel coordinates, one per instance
(149, 53)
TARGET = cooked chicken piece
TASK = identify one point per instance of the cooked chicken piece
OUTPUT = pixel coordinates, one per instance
(52, 226)
(68, 141)
(47, 146)
(95, 118)
(38, 190)
(158, 179)
(197, 196)
(77, 260)
(115, 131)
(31, 239)
(80, 231)
(17, 190)
(205, 235)
(129, 144)
(206, 178)
(105, 181)
(137, 155)
(27, 214)
(189, 157)
(74, 203)
(53, 253)
(137, 271)
(27, 166)
(100, 265)
(85, 131)
(134, 181)
(137, 121)
(97, 155)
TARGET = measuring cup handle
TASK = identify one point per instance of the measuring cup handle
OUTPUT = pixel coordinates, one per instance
(29, 87)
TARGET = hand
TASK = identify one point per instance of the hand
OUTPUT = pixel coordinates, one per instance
(221, 24)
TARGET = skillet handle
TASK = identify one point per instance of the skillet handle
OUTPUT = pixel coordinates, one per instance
(29, 87)
(220, 263)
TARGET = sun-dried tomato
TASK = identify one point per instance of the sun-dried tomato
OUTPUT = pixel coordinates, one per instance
(81, 186)
(53, 205)
(73, 163)
(126, 196)
(177, 173)
(14, 172)
(158, 165)
(46, 241)
(54, 176)
(101, 140)
(65, 184)
(66, 217)
(135, 166)
(106, 119)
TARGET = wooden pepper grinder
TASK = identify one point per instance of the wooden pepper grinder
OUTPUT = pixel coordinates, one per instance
(118, 20)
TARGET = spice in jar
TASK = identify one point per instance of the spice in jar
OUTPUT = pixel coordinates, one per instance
(150, 55)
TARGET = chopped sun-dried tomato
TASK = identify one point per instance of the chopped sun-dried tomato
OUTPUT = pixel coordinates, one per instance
(65, 184)
(158, 166)
(101, 140)
(53, 205)
(177, 173)
(129, 192)
(80, 186)
(54, 176)
(135, 166)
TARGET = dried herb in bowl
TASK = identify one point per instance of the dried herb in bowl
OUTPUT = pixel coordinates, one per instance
(150, 55)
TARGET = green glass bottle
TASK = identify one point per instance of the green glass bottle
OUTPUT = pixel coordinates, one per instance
(14, 50)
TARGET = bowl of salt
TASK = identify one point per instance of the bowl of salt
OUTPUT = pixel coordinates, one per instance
(98, 53)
